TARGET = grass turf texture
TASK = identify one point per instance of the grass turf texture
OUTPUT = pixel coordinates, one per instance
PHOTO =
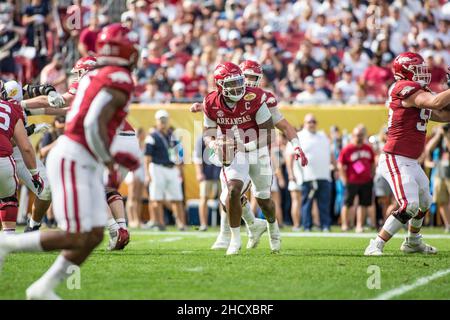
(181, 266)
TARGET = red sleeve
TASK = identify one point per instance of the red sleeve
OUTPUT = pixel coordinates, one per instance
(404, 89)
(83, 35)
(207, 104)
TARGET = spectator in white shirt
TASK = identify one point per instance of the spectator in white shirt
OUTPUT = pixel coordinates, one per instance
(311, 95)
(347, 85)
(316, 176)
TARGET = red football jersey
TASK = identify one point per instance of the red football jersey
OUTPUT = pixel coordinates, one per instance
(90, 85)
(242, 114)
(10, 113)
(358, 162)
(407, 127)
(126, 127)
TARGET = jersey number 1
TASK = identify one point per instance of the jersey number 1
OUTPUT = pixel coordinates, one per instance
(5, 116)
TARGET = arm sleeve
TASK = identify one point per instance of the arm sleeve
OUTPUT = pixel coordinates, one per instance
(276, 115)
(208, 123)
(263, 114)
(91, 126)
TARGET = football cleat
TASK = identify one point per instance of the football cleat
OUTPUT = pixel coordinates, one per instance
(222, 242)
(37, 292)
(233, 248)
(416, 245)
(28, 228)
(119, 240)
(255, 231)
(374, 248)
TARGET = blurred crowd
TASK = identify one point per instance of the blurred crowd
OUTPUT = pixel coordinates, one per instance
(312, 52)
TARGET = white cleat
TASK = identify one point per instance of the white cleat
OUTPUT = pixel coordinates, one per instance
(234, 248)
(416, 245)
(255, 231)
(374, 248)
(222, 242)
(37, 292)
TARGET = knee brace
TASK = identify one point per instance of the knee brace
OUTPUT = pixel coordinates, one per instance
(8, 209)
(405, 215)
(112, 195)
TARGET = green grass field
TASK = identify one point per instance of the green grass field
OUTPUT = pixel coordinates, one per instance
(177, 265)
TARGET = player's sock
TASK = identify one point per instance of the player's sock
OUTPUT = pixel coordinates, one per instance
(224, 225)
(9, 231)
(236, 234)
(247, 214)
(30, 241)
(57, 273)
(113, 226)
(417, 224)
(380, 240)
(273, 227)
(33, 223)
(122, 223)
(392, 225)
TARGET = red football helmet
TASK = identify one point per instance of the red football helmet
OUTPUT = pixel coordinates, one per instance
(251, 69)
(411, 66)
(230, 81)
(84, 65)
(117, 44)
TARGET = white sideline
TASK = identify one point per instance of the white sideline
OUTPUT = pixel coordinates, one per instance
(200, 234)
(418, 283)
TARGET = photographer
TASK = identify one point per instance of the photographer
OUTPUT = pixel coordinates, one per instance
(438, 152)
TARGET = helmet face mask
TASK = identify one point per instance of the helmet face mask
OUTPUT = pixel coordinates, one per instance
(421, 74)
(233, 87)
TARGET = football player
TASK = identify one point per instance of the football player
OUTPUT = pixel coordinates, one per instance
(253, 73)
(12, 128)
(76, 163)
(242, 115)
(411, 104)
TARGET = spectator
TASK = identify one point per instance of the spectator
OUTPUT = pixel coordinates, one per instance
(208, 177)
(162, 172)
(316, 175)
(36, 19)
(135, 181)
(356, 165)
(152, 95)
(192, 81)
(311, 95)
(347, 85)
(438, 153)
(9, 43)
(438, 73)
(178, 92)
(88, 36)
(320, 82)
(377, 78)
(54, 74)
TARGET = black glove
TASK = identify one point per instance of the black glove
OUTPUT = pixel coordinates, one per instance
(37, 182)
(30, 129)
(32, 91)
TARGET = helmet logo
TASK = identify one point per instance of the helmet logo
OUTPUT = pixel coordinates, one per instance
(404, 59)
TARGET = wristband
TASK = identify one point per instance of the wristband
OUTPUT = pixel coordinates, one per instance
(30, 129)
(212, 144)
(23, 104)
(295, 143)
(34, 171)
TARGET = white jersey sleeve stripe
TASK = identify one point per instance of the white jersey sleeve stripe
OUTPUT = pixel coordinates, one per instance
(91, 128)
(276, 115)
(208, 123)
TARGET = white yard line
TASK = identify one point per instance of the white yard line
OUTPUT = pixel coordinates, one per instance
(170, 239)
(418, 283)
(200, 234)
